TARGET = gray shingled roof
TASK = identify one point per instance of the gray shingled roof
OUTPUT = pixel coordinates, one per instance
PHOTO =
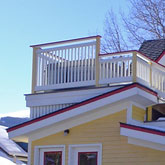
(153, 48)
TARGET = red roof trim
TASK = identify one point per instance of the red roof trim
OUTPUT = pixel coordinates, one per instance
(83, 103)
(142, 129)
(163, 53)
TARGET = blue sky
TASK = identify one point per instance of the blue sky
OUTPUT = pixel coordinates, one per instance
(27, 22)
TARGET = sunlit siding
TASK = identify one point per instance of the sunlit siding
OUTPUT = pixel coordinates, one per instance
(138, 113)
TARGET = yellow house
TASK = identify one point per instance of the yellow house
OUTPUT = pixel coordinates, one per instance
(89, 108)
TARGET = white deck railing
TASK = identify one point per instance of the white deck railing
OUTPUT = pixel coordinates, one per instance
(115, 68)
(78, 63)
(66, 66)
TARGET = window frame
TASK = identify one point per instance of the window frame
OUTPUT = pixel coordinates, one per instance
(76, 148)
(40, 150)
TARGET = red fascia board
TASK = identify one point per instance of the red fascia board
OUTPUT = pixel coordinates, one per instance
(158, 59)
(142, 129)
(83, 103)
(65, 41)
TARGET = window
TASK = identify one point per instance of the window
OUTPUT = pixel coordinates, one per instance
(85, 154)
(87, 158)
(49, 155)
(53, 158)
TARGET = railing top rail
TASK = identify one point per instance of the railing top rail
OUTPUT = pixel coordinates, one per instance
(66, 47)
(117, 53)
(65, 41)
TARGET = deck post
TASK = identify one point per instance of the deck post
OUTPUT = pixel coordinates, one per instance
(150, 74)
(134, 66)
(34, 69)
(97, 66)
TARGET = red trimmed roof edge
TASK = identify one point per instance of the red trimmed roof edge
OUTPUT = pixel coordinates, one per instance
(162, 54)
(83, 103)
(142, 129)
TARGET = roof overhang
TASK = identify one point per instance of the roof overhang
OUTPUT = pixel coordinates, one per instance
(133, 92)
(146, 136)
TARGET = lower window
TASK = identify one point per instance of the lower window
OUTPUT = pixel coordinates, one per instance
(85, 154)
(53, 158)
(87, 158)
(49, 155)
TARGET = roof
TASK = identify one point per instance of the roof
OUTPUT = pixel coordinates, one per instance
(144, 128)
(153, 48)
(8, 160)
(127, 87)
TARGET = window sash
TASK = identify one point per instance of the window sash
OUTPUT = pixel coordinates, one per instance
(53, 152)
(79, 154)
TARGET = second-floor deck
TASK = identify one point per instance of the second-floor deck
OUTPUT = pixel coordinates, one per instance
(78, 63)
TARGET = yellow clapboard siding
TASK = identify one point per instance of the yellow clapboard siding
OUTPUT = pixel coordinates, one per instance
(149, 113)
(116, 150)
(138, 113)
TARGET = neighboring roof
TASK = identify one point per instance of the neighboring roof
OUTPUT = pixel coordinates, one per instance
(7, 160)
(127, 87)
(153, 48)
(8, 145)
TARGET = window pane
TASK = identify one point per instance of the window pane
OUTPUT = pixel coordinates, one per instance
(87, 158)
(53, 158)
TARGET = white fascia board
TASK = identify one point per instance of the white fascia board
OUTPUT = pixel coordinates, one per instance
(160, 124)
(72, 113)
(142, 135)
(29, 151)
(72, 122)
(148, 144)
(148, 96)
(65, 97)
(76, 112)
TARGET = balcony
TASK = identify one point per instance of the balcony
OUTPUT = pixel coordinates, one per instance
(78, 63)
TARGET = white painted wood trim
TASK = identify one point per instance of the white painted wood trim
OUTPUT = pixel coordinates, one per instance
(66, 47)
(37, 150)
(84, 148)
(142, 135)
(53, 129)
(65, 85)
(29, 151)
(83, 109)
(116, 80)
(65, 96)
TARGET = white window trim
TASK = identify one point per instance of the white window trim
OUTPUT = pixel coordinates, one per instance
(74, 149)
(39, 149)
